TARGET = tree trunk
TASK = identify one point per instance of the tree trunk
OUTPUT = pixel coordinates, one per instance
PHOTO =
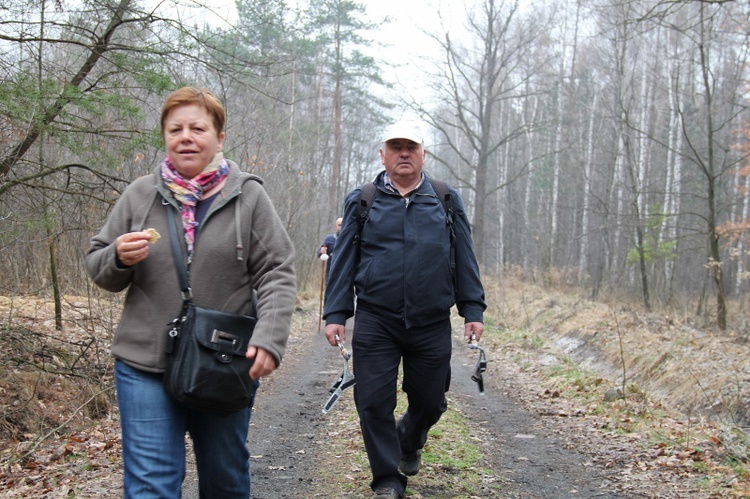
(52, 246)
(584, 248)
(337, 148)
(714, 260)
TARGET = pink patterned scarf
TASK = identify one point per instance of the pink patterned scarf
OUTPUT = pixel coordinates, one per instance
(189, 191)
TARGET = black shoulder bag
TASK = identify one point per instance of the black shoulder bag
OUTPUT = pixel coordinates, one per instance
(206, 365)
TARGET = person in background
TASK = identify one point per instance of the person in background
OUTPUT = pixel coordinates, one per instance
(328, 247)
(400, 275)
(236, 245)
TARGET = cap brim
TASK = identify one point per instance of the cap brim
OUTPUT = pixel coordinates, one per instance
(412, 137)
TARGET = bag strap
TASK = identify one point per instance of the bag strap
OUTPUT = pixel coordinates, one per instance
(177, 256)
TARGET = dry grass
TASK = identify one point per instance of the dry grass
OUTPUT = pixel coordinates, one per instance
(663, 356)
(50, 378)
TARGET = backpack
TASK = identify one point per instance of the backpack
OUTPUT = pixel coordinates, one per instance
(369, 190)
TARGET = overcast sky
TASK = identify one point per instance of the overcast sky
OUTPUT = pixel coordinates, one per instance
(409, 46)
(406, 44)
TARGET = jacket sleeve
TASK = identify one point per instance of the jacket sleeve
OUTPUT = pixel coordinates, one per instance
(339, 295)
(469, 289)
(328, 241)
(101, 257)
(274, 277)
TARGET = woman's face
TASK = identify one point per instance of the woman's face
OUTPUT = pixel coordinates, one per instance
(191, 139)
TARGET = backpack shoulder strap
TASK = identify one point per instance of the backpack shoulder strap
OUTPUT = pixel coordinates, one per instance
(441, 188)
(444, 195)
(366, 196)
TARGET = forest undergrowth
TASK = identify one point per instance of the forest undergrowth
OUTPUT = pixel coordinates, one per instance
(615, 357)
(609, 356)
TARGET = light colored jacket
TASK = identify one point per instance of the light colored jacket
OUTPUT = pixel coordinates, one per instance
(241, 246)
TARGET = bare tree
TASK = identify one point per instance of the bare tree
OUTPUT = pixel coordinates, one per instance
(474, 82)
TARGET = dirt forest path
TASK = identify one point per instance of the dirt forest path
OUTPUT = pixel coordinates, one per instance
(531, 452)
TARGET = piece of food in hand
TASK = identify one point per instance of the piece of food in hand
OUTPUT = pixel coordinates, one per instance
(153, 236)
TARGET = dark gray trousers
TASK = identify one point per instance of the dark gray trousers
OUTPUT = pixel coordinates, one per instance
(378, 347)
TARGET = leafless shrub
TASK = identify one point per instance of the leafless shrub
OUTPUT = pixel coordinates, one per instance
(49, 378)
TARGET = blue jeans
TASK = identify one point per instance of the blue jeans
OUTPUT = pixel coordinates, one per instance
(153, 442)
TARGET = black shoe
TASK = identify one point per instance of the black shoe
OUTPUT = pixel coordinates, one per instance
(410, 463)
(386, 493)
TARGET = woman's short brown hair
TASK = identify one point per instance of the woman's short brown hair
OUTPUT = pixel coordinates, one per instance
(202, 97)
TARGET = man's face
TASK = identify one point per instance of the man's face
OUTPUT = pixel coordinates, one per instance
(403, 159)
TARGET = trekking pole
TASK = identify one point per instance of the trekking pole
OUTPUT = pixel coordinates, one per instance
(323, 259)
(481, 364)
(344, 381)
(344, 352)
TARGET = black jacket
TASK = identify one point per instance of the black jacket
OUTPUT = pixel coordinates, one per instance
(401, 268)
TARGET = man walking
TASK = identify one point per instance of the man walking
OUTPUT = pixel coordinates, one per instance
(329, 246)
(400, 265)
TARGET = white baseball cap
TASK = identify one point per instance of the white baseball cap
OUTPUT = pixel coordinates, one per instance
(409, 130)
